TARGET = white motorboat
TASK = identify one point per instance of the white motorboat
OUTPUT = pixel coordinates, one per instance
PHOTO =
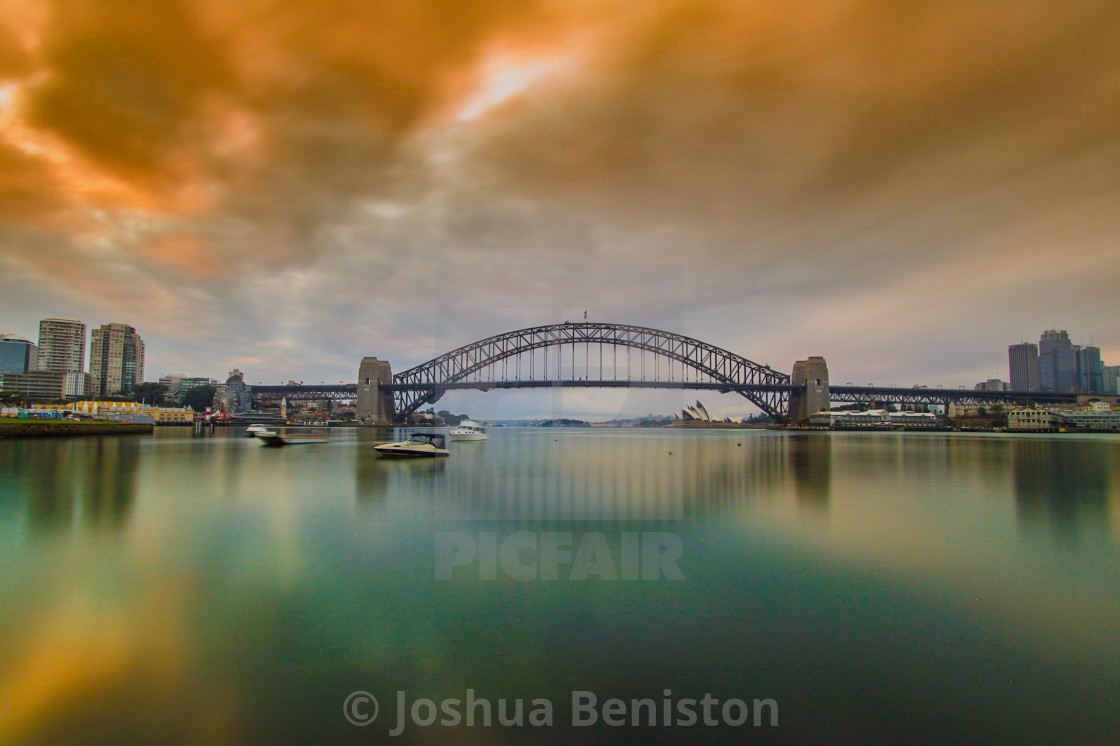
(276, 440)
(468, 430)
(421, 445)
(254, 430)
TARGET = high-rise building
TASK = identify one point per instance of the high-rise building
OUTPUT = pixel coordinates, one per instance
(1023, 360)
(116, 359)
(1087, 362)
(1056, 368)
(17, 355)
(62, 345)
(1110, 379)
(992, 384)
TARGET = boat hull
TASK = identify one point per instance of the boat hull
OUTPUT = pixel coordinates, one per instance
(273, 440)
(398, 452)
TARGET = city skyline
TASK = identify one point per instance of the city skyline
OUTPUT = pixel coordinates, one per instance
(904, 193)
(1032, 367)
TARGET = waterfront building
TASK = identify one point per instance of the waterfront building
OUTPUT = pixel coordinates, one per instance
(695, 412)
(17, 354)
(116, 359)
(1098, 416)
(62, 344)
(170, 415)
(965, 409)
(49, 385)
(124, 410)
(235, 394)
(1023, 363)
(1057, 370)
(875, 419)
(1087, 362)
(913, 420)
(1029, 419)
(992, 384)
(425, 419)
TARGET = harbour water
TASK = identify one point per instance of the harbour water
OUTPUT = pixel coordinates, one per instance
(879, 588)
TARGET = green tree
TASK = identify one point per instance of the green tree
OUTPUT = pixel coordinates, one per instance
(451, 419)
(152, 393)
(199, 397)
(12, 398)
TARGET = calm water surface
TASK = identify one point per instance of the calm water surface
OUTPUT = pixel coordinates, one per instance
(881, 588)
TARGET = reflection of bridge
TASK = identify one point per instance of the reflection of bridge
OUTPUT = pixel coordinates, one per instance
(601, 355)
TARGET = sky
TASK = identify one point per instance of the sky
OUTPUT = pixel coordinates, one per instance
(287, 186)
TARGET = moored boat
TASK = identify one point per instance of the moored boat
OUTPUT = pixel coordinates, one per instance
(276, 440)
(420, 445)
(468, 430)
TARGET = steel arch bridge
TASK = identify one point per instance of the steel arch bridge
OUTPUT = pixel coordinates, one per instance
(487, 364)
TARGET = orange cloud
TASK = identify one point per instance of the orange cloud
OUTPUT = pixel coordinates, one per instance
(189, 253)
(196, 142)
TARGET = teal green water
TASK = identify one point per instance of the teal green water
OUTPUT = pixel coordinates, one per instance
(880, 588)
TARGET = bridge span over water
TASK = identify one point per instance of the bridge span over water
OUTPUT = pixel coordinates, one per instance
(603, 355)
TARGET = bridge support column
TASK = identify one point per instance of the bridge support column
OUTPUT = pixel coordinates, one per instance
(374, 406)
(813, 375)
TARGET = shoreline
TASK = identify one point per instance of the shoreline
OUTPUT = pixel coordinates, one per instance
(12, 429)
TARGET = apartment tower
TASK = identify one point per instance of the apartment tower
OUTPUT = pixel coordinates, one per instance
(116, 359)
(62, 345)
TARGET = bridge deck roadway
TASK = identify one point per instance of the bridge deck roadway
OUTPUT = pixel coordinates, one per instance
(837, 393)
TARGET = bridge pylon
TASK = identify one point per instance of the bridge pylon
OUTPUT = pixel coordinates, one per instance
(375, 405)
(813, 375)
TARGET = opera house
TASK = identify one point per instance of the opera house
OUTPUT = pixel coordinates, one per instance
(698, 413)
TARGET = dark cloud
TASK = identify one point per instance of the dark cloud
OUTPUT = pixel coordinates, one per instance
(14, 60)
(863, 179)
(126, 83)
(28, 190)
(715, 110)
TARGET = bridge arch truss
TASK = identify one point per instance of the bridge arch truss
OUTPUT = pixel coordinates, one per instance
(767, 388)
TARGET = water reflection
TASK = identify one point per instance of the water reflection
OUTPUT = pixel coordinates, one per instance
(90, 482)
(565, 476)
(110, 491)
(371, 481)
(810, 458)
(605, 477)
(1063, 484)
(50, 485)
(248, 600)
